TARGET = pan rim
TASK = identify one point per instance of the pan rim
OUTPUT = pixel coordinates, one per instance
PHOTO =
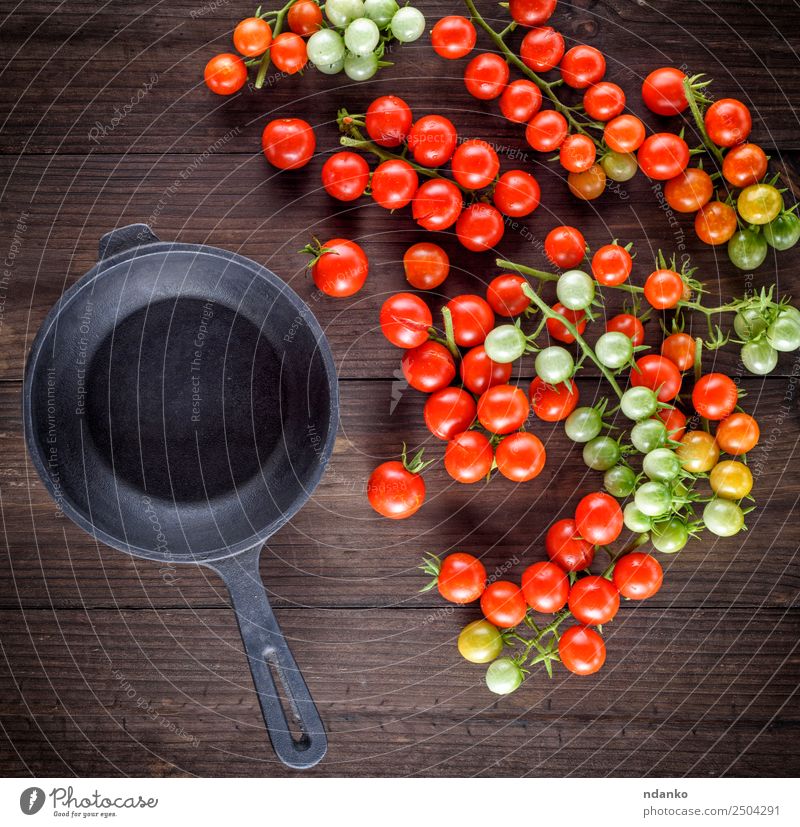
(105, 268)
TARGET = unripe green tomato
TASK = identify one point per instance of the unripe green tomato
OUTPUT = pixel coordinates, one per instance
(554, 365)
(760, 358)
(639, 403)
(653, 499)
(503, 676)
(635, 519)
(614, 349)
(408, 24)
(480, 642)
(784, 232)
(723, 517)
(784, 334)
(360, 68)
(342, 12)
(380, 11)
(648, 435)
(601, 453)
(759, 203)
(669, 536)
(583, 424)
(619, 166)
(325, 48)
(330, 68)
(575, 289)
(361, 37)
(747, 249)
(505, 343)
(619, 481)
(662, 465)
(748, 323)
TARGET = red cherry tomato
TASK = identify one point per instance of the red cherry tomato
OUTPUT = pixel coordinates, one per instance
(581, 650)
(629, 325)
(480, 227)
(345, 175)
(388, 120)
(663, 289)
(715, 396)
(598, 518)
(225, 74)
(516, 193)
(449, 412)
(545, 587)
(604, 101)
(432, 140)
(663, 156)
(582, 66)
(479, 372)
(475, 164)
(542, 48)
(728, 122)
(679, 348)
(405, 320)
(663, 92)
(436, 204)
(288, 143)
(638, 576)
(689, 191)
(503, 409)
(426, 265)
(305, 17)
(738, 433)
(520, 101)
(744, 165)
(675, 421)
(341, 268)
(624, 133)
(461, 578)
(394, 491)
(531, 12)
(559, 331)
(505, 295)
(611, 265)
(453, 37)
(473, 318)
(468, 457)
(394, 184)
(288, 53)
(546, 130)
(577, 153)
(658, 374)
(520, 457)
(553, 403)
(503, 604)
(429, 367)
(715, 223)
(252, 36)
(486, 76)
(565, 246)
(594, 600)
(567, 548)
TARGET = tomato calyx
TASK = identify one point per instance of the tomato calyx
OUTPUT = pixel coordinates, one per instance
(431, 565)
(414, 465)
(316, 249)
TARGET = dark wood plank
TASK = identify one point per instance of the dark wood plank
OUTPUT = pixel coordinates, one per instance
(66, 204)
(338, 552)
(696, 692)
(53, 105)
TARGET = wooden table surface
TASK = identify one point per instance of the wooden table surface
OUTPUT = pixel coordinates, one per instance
(111, 665)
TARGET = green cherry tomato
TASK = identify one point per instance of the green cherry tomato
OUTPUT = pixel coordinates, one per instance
(784, 333)
(759, 203)
(503, 676)
(635, 519)
(342, 12)
(601, 453)
(554, 365)
(639, 403)
(619, 166)
(760, 358)
(614, 349)
(648, 435)
(361, 37)
(325, 48)
(723, 517)
(408, 24)
(653, 499)
(330, 68)
(359, 68)
(747, 249)
(784, 232)
(575, 289)
(619, 481)
(662, 465)
(583, 424)
(505, 344)
(380, 11)
(748, 323)
(669, 536)
(480, 642)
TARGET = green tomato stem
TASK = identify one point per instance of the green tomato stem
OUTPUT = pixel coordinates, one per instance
(699, 121)
(449, 333)
(267, 58)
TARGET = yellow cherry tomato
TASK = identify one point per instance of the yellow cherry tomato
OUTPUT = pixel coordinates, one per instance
(698, 452)
(759, 203)
(731, 480)
(480, 642)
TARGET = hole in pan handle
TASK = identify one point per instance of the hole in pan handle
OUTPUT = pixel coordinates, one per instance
(269, 655)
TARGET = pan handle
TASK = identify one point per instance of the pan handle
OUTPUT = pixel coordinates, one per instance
(269, 656)
(125, 238)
